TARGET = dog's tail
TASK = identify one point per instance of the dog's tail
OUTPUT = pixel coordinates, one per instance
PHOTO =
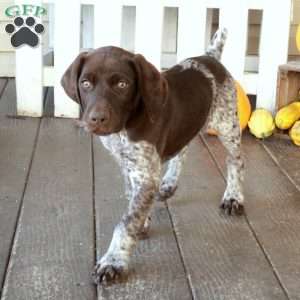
(215, 48)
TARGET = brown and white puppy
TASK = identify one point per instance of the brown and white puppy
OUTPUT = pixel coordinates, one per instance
(146, 118)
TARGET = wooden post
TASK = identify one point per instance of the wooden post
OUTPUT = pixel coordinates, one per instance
(66, 48)
(234, 17)
(29, 81)
(273, 49)
(107, 23)
(191, 29)
(148, 34)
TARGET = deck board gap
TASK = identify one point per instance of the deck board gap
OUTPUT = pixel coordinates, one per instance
(3, 88)
(277, 163)
(19, 213)
(188, 279)
(94, 204)
(202, 138)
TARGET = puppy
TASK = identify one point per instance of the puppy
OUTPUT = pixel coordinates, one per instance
(146, 118)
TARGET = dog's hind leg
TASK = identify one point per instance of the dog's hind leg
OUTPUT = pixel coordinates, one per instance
(233, 198)
(230, 135)
(170, 179)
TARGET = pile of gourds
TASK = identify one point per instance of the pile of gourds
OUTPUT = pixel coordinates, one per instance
(288, 118)
(262, 124)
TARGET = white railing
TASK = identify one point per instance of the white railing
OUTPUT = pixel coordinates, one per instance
(192, 33)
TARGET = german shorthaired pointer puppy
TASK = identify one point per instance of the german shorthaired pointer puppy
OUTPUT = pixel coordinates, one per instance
(146, 118)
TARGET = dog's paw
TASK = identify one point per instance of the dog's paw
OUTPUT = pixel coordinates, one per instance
(109, 269)
(166, 191)
(232, 207)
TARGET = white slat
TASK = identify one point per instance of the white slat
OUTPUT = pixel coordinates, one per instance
(129, 2)
(51, 24)
(49, 76)
(273, 49)
(87, 26)
(255, 4)
(191, 29)
(249, 83)
(29, 81)
(234, 17)
(192, 32)
(107, 23)
(66, 48)
(88, 2)
(208, 27)
(213, 3)
(148, 34)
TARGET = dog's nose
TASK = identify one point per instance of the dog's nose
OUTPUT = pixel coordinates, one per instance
(98, 117)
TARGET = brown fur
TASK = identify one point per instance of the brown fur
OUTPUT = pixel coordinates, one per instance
(166, 109)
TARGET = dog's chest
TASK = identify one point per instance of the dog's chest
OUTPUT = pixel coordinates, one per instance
(116, 143)
(126, 152)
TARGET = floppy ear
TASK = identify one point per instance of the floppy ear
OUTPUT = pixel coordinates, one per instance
(69, 80)
(152, 86)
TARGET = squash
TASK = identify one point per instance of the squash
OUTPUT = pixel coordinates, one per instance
(261, 123)
(298, 37)
(295, 133)
(244, 108)
(288, 115)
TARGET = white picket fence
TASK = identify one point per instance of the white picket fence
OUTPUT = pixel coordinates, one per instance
(32, 76)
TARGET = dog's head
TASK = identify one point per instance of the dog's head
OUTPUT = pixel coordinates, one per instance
(113, 86)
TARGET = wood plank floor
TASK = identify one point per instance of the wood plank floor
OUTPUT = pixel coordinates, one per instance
(61, 194)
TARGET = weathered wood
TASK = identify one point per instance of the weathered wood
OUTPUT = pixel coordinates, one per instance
(156, 271)
(222, 257)
(273, 210)
(7, 59)
(8, 102)
(53, 251)
(49, 102)
(287, 157)
(288, 84)
(3, 83)
(17, 141)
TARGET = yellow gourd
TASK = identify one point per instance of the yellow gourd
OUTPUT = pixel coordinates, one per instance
(261, 123)
(295, 133)
(288, 115)
(244, 108)
(298, 37)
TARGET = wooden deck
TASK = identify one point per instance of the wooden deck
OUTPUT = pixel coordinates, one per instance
(61, 195)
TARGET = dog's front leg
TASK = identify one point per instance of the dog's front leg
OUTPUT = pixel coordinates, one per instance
(170, 179)
(143, 168)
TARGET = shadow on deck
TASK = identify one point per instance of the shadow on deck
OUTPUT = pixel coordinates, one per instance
(61, 195)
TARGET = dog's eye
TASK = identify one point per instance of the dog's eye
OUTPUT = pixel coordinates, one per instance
(86, 84)
(122, 84)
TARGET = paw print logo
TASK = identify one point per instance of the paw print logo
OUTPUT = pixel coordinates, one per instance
(24, 32)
